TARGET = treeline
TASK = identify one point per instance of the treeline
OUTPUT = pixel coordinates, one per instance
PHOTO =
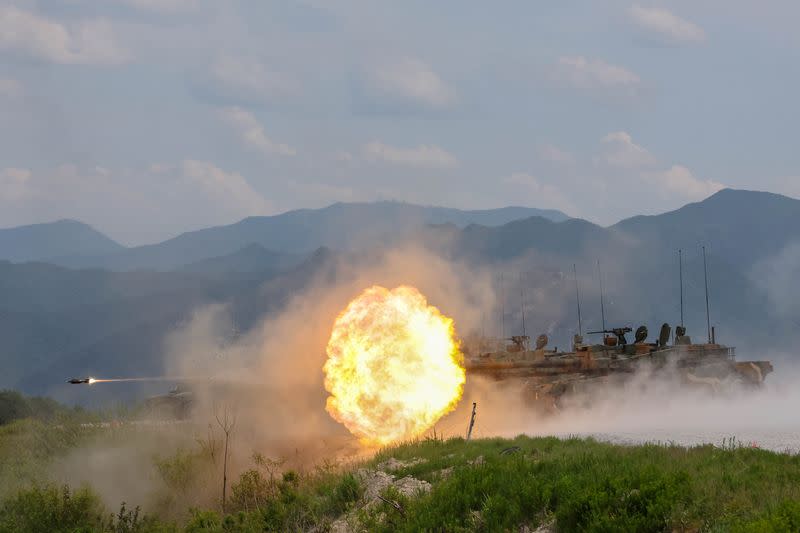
(16, 406)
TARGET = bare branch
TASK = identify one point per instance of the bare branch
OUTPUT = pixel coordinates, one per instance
(394, 504)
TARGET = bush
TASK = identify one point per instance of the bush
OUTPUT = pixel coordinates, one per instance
(178, 471)
(203, 522)
(52, 509)
(251, 492)
(61, 509)
(345, 494)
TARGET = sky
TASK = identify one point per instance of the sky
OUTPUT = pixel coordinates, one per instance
(147, 118)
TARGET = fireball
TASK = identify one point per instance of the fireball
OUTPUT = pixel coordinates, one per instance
(394, 367)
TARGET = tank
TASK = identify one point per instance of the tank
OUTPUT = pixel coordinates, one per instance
(175, 405)
(549, 376)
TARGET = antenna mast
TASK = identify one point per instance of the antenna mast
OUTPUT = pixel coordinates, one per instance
(522, 302)
(708, 312)
(502, 309)
(680, 274)
(602, 304)
(578, 299)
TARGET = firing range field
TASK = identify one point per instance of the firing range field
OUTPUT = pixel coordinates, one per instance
(646, 411)
(326, 479)
(780, 441)
(567, 484)
(754, 418)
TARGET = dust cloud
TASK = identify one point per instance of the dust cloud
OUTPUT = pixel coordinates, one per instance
(647, 408)
(273, 375)
(269, 379)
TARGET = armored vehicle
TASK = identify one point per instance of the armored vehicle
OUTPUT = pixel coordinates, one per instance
(549, 376)
(175, 405)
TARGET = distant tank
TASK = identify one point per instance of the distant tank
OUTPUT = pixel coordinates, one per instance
(175, 405)
(551, 375)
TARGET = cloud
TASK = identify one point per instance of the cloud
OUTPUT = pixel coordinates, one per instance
(679, 180)
(581, 73)
(88, 42)
(542, 194)
(133, 205)
(230, 188)
(249, 79)
(666, 27)
(405, 85)
(430, 156)
(252, 133)
(628, 160)
(620, 151)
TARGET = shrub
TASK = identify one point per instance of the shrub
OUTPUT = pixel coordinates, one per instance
(345, 493)
(251, 492)
(52, 509)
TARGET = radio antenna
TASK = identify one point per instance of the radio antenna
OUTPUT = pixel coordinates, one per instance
(708, 311)
(578, 299)
(602, 303)
(502, 309)
(522, 302)
(680, 275)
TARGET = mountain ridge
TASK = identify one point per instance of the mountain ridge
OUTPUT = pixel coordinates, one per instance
(300, 231)
(47, 240)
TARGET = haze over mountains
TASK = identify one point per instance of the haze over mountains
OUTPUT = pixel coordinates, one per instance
(111, 319)
(339, 226)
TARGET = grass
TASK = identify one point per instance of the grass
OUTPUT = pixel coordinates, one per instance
(27, 446)
(481, 485)
(585, 485)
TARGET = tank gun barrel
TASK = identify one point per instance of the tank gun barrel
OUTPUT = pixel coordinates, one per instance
(615, 331)
(619, 333)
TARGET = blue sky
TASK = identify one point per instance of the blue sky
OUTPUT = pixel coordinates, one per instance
(146, 118)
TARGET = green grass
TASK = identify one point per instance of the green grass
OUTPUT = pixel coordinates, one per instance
(572, 484)
(28, 446)
(585, 485)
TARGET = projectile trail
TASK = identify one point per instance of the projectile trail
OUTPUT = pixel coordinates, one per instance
(92, 381)
(119, 380)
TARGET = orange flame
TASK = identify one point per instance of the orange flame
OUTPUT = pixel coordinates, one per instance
(394, 367)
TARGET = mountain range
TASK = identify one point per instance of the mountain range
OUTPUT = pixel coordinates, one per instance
(339, 226)
(112, 314)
